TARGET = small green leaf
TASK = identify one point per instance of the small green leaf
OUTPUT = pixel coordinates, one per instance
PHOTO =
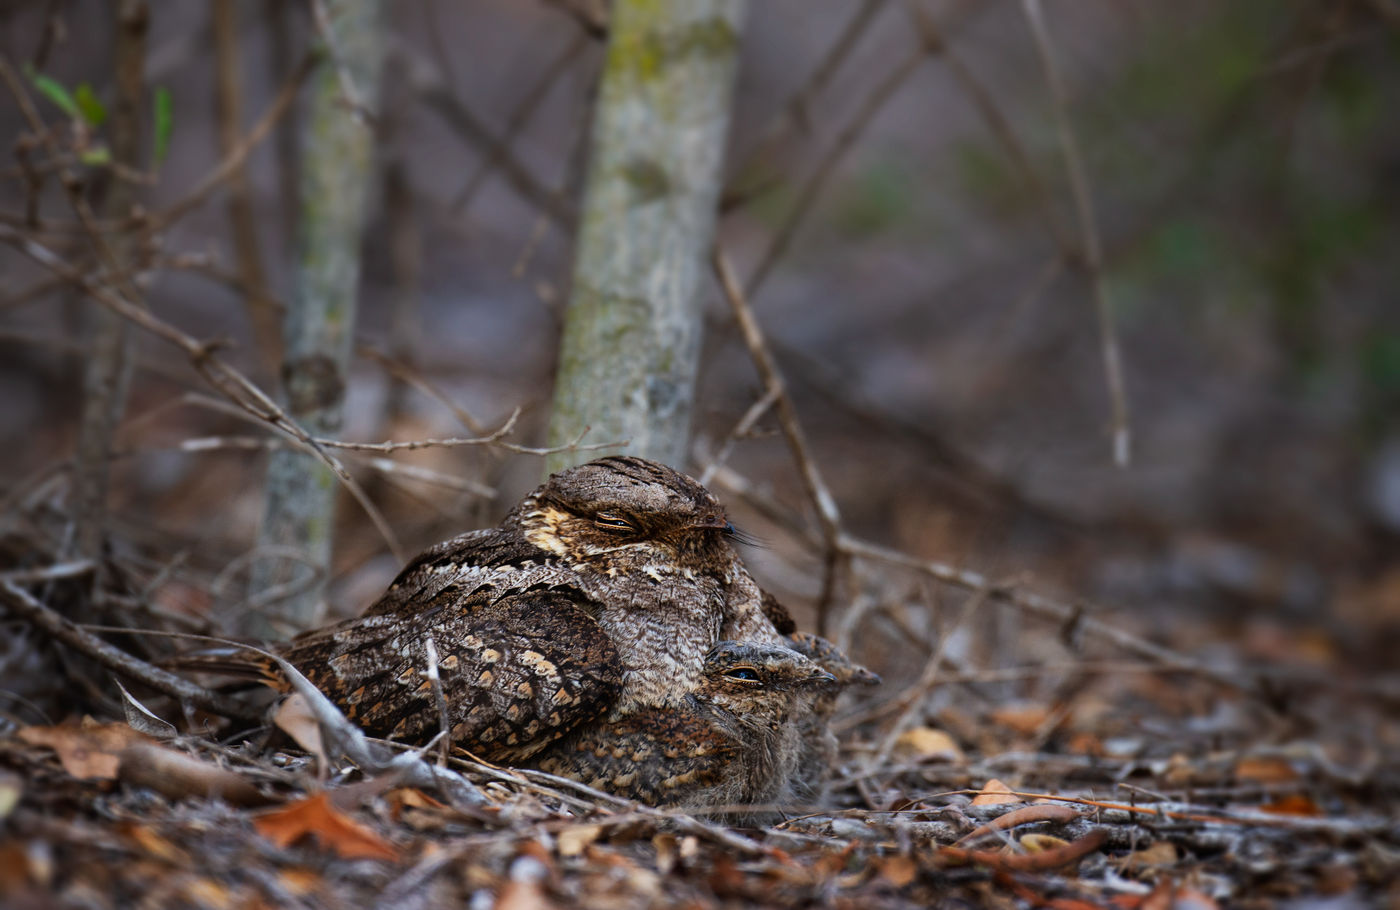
(53, 90)
(94, 111)
(97, 155)
(165, 124)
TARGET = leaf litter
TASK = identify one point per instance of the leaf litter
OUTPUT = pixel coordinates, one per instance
(1129, 787)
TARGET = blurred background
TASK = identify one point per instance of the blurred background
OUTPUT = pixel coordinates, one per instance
(899, 202)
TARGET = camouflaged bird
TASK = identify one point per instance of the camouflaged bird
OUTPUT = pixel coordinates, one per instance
(753, 614)
(599, 593)
(818, 746)
(730, 741)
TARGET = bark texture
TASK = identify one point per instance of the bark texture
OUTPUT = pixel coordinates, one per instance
(628, 356)
(287, 587)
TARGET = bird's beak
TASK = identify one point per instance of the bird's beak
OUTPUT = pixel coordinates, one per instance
(864, 677)
(713, 522)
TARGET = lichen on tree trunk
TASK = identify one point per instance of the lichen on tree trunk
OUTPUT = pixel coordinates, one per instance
(628, 357)
(336, 170)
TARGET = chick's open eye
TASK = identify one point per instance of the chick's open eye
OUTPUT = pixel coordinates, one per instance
(743, 674)
(611, 521)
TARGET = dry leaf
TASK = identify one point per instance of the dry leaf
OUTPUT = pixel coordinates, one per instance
(994, 793)
(295, 718)
(1086, 743)
(298, 882)
(316, 816)
(1265, 770)
(14, 868)
(573, 840)
(898, 870)
(156, 845)
(1039, 843)
(1162, 853)
(142, 719)
(1296, 804)
(1179, 770)
(927, 743)
(88, 752)
(412, 798)
(1024, 719)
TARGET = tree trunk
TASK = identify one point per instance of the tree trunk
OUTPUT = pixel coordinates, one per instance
(288, 582)
(628, 357)
(108, 372)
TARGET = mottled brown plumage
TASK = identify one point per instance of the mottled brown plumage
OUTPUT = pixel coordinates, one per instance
(599, 592)
(730, 741)
(598, 595)
(643, 548)
(818, 746)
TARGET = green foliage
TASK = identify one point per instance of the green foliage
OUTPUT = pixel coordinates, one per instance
(53, 90)
(81, 104)
(93, 110)
(164, 110)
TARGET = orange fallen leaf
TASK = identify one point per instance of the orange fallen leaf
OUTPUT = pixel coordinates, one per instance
(316, 816)
(91, 752)
(1294, 804)
(898, 870)
(14, 867)
(994, 793)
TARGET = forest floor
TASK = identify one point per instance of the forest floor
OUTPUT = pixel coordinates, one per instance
(1126, 784)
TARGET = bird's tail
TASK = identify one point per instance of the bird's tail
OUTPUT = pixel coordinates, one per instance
(231, 663)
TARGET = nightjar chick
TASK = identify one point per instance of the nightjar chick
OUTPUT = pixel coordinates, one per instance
(733, 740)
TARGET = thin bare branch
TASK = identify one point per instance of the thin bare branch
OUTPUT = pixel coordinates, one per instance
(817, 493)
(1073, 619)
(62, 629)
(429, 85)
(235, 158)
(227, 379)
(518, 119)
(1089, 234)
(811, 188)
(228, 105)
(912, 700)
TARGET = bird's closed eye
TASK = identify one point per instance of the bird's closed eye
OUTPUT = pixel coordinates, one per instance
(611, 521)
(743, 674)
